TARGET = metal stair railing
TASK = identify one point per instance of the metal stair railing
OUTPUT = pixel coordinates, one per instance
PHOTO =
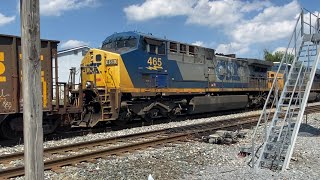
(278, 146)
(300, 115)
(290, 111)
(277, 111)
(274, 90)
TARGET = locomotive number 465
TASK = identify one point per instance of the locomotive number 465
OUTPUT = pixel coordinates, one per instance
(154, 63)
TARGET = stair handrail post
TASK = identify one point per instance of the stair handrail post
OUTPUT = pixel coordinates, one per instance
(302, 22)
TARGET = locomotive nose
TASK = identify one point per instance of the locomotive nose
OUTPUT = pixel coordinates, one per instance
(99, 68)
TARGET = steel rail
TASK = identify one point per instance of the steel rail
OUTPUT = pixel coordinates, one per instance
(172, 136)
(167, 135)
(70, 147)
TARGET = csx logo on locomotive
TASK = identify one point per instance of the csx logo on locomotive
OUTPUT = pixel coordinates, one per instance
(227, 71)
(2, 68)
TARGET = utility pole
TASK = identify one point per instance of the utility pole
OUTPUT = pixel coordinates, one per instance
(32, 94)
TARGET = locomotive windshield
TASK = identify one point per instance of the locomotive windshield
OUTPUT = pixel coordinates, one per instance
(120, 44)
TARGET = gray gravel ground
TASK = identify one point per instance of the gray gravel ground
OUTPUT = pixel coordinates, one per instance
(192, 160)
(198, 160)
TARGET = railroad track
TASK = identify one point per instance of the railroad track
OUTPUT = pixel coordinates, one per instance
(102, 148)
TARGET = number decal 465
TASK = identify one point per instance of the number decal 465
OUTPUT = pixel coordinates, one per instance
(154, 63)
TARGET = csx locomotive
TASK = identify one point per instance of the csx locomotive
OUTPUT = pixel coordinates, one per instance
(134, 76)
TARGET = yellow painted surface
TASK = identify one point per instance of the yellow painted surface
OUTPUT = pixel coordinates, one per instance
(2, 68)
(1, 56)
(280, 79)
(110, 75)
(41, 57)
(44, 89)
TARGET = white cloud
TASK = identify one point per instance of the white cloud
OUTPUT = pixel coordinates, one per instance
(202, 12)
(6, 19)
(200, 43)
(158, 8)
(273, 23)
(256, 32)
(255, 6)
(58, 7)
(233, 47)
(214, 13)
(73, 43)
(236, 18)
(283, 49)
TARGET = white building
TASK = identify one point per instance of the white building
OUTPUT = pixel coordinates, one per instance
(70, 58)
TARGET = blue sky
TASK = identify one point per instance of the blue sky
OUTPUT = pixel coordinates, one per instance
(229, 26)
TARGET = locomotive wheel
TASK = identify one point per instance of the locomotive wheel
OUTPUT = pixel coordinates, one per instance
(8, 132)
(172, 115)
(154, 113)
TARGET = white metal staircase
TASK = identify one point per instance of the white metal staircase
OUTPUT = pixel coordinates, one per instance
(276, 146)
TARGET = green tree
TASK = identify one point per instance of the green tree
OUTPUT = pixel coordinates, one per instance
(277, 56)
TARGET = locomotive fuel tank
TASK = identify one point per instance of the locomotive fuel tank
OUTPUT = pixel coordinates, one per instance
(201, 104)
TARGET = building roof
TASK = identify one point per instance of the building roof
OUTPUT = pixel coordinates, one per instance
(72, 49)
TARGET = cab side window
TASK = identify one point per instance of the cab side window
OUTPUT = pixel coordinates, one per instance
(183, 48)
(162, 49)
(173, 47)
(155, 46)
(152, 48)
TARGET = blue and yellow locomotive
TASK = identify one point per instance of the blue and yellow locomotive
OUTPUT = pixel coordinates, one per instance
(137, 75)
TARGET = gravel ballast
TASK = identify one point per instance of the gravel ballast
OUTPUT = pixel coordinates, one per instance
(191, 160)
(199, 160)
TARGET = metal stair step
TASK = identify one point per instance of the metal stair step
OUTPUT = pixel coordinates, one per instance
(295, 74)
(299, 80)
(276, 135)
(304, 80)
(106, 113)
(288, 98)
(288, 91)
(276, 145)
(311, 37)
(285, 111)
(310, 45)
(275, 128)
(271, 161)
(106, 107)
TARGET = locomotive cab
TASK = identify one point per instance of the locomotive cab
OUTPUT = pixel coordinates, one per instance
(100, 79)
